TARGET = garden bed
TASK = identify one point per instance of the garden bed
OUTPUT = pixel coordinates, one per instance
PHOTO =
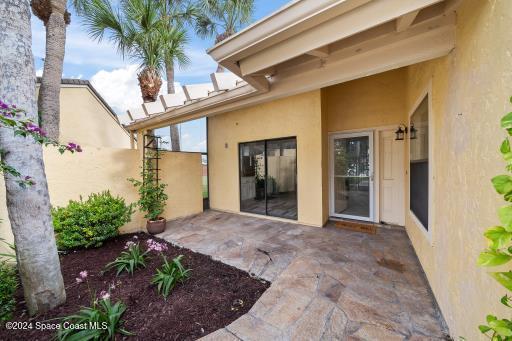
(215, 295)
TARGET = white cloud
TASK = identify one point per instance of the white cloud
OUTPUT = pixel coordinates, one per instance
(39, 72)
(120, 87)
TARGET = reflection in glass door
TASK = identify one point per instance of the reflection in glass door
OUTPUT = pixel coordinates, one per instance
(352, 176)
(268, 177)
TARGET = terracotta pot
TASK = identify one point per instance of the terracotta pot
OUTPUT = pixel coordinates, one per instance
(156, 226)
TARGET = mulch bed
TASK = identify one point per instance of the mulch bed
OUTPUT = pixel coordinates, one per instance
(207, 301)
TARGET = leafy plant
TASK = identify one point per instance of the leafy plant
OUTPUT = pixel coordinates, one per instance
(8, 256)
(169, 275)
(499, 250)
(105, 318)
(8, 285)
(152, 196)
(89, 223)
(129, 260)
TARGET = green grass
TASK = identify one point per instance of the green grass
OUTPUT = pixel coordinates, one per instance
(205, 186)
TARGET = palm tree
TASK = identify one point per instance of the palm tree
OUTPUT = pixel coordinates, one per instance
(135, 29)
(28, 208)
(175, 15)
(55, 17)
(223, 18)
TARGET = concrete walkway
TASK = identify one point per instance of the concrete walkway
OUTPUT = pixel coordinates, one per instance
(327, 284)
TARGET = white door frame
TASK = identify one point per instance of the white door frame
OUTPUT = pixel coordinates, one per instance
(332, 137)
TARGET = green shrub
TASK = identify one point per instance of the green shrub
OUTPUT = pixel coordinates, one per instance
(89, 223)
(169, 275)
(8, 285)
(129, 260)
(103, 314)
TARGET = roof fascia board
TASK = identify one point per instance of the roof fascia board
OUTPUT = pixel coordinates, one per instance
(358, 20)
(287, 21)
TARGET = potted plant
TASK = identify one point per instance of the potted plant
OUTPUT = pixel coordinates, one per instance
(152, 199)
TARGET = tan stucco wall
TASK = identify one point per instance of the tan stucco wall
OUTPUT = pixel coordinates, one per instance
(298, 116)
(470, 91)
(98, 169)
(86, 121)
(369, 102)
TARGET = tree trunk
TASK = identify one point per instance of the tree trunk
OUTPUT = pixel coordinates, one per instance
(49, 92)
(174, 132)
(149, 83)
(28, 209)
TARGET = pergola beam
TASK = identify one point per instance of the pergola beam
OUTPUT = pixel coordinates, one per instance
(405, 21)
(321, 52)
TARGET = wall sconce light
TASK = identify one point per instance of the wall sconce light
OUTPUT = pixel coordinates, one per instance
(400, 133)
(413, 132)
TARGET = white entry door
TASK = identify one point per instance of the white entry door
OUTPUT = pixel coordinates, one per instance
(351, 188)
(391, 178)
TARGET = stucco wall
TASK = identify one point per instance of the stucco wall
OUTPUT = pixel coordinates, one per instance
(86, 121)
(298, 116)
(98, 169)
(368, 102)
(470, 91)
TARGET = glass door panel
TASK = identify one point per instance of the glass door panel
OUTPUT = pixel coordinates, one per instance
(252, 177)
(282, 178)
(352, 178)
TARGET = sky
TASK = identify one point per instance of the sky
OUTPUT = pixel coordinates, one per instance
(115, 78)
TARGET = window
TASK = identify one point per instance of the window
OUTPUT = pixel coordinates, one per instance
(268, 177)
(419, 162)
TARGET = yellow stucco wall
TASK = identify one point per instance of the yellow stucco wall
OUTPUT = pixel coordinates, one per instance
(298, 116)
(98, 169)
(470, 91)
(86, 121)
(368, 102)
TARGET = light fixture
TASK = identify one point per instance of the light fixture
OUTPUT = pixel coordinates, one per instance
(413, 132)
(400, 133)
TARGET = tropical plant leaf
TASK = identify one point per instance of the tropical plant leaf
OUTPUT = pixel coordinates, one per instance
(493, 258)
(506, 121)
(505, 279)
(505, 215)
(498, 236)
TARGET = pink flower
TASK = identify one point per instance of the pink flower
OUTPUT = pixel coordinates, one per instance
(135, 237)
(156, 246)
(79, 280)
(83, 274)
(129, 244)
(104, 295)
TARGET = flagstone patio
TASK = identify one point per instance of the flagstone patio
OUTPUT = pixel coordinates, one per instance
(327, 284)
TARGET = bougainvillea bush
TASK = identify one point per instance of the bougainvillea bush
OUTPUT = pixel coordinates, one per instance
(14, 119)
(84, 224)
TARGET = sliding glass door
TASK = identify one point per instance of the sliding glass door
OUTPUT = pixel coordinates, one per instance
(268, 177)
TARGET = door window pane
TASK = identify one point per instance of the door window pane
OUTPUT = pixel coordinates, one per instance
(352, 176)
(282, 178)
(419, 173)
(252, 177)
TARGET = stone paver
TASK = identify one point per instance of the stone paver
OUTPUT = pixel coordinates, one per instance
(327, 284)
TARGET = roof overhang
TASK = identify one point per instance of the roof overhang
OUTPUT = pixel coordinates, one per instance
(310, 44)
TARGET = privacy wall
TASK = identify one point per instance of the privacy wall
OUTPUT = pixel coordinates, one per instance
(97, 169)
